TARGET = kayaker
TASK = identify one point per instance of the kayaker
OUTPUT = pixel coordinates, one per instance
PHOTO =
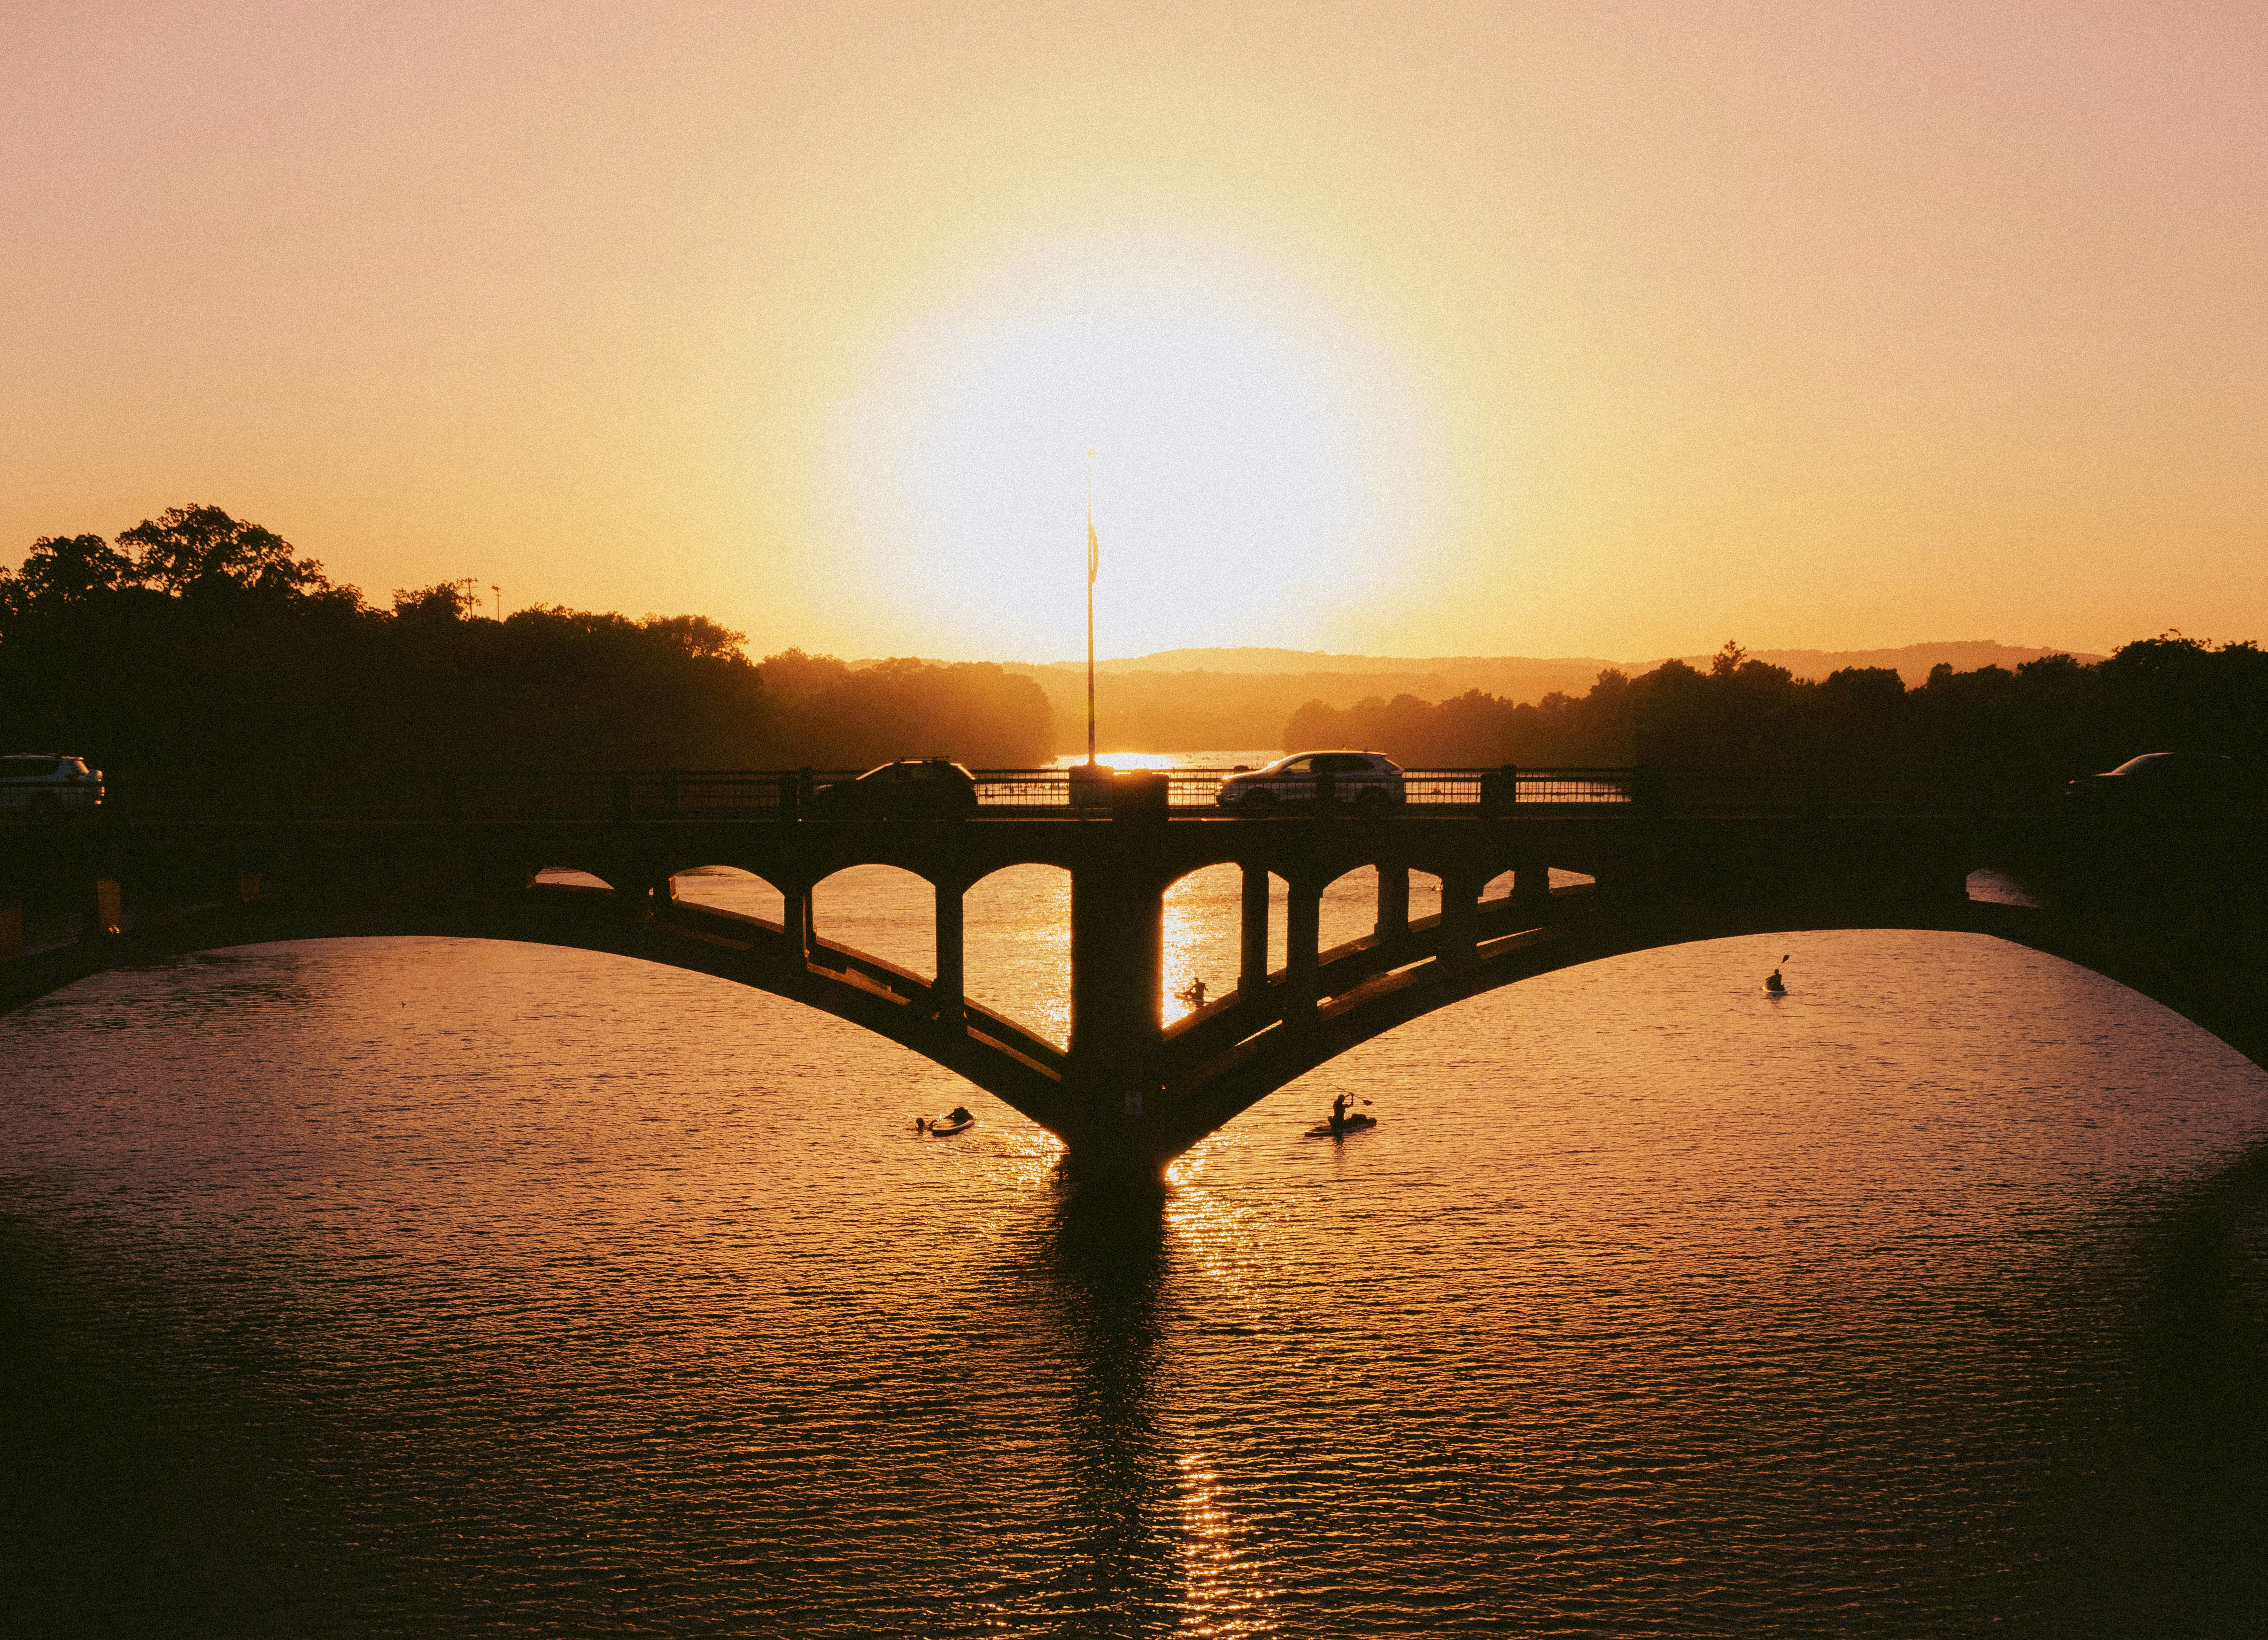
(960, 1114)
(1339, 1113)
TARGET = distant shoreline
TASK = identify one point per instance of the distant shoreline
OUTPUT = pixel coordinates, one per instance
(1184, 700)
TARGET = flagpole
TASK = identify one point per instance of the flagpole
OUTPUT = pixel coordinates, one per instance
(1091, 567)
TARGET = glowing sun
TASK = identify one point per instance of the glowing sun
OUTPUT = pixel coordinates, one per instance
(1261, 466)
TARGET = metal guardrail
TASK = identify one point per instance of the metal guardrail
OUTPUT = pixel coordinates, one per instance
(492, 797)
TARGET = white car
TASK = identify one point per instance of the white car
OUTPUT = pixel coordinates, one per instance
(1364, 781)
(40, 782)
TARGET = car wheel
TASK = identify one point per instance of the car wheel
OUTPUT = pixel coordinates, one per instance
(1259, 802)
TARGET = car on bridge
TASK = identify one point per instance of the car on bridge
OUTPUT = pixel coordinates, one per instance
(2167, 780)
(1367, 781)
(41, 782)
(928, 788)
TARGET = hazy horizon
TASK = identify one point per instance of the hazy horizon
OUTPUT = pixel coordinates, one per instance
(1492, 329)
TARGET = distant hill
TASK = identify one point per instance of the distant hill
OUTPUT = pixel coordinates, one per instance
(1192, 700)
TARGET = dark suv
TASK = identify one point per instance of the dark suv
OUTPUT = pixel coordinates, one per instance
(929, 788)
(45, 781)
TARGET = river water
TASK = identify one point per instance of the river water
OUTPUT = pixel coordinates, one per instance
(429, 1287)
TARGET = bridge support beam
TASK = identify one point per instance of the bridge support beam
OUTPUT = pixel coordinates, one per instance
(951, 984)
(1252, 938)
(1118, 995)
(795, 918)
(1460, 914)
(1393, 903)
(101, 913)
(1303, 921)
(11, 932)
(1531, 884)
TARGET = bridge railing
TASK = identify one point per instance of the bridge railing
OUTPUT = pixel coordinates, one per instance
(505, 796)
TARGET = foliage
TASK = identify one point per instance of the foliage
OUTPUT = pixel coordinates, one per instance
(197, 643)
(2047, 720)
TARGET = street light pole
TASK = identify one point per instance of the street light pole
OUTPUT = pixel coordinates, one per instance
(1093, 558)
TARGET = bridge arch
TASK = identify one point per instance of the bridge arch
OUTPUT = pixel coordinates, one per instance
(1662, 880)
(1212, 1093)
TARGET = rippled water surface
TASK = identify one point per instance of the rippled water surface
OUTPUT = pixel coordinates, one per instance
(426, 1287)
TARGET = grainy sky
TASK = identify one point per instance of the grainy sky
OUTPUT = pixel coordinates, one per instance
(1539, 328)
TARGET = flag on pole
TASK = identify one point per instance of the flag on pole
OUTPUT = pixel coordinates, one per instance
(1093, 551)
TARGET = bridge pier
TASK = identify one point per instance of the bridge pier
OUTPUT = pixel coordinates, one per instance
(1117, 985)
(1303, 938)
(1460, 916)
(1531, 883)
(101, 911)
(1252, 939)
(795, 917)
(950, 986)
(1393, 903)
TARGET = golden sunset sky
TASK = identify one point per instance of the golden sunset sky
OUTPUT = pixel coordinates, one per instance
(1535, 329)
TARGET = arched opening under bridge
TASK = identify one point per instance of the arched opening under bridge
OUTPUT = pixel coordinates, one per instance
(729, 888)
(883, 910)
(1017, 932)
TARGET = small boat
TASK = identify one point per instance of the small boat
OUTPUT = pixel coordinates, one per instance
(1354, 1123)
(946, 1127)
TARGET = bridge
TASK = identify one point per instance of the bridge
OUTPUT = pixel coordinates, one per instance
(2168, 905)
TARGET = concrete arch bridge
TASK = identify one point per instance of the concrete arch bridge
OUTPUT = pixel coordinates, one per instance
(1129, 1089)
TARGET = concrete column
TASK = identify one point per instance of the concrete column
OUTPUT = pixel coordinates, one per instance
(1117, 978)
(100, 913)
(1252, 943)
(1303, 942)
(1460, 906)
(247, 887)
(951, 984)
(1392, 902)
(1531, 884)
(651, 895)
(11, 932)
(795, 918)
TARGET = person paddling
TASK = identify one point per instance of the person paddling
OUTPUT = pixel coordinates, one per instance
(1339, 1113)
(1776, 985)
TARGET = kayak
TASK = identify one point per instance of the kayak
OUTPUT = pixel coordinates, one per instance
(1354, 1124)
(946, 1130)
(1773, 990)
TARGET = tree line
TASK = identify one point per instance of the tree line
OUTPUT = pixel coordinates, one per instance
(2045, 720)
(200, 642)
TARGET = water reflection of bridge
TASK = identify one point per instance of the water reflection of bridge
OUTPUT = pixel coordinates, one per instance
(2169, 906)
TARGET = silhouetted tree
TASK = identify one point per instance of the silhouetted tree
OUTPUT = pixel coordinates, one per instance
(203, 642)
(2049, 719)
